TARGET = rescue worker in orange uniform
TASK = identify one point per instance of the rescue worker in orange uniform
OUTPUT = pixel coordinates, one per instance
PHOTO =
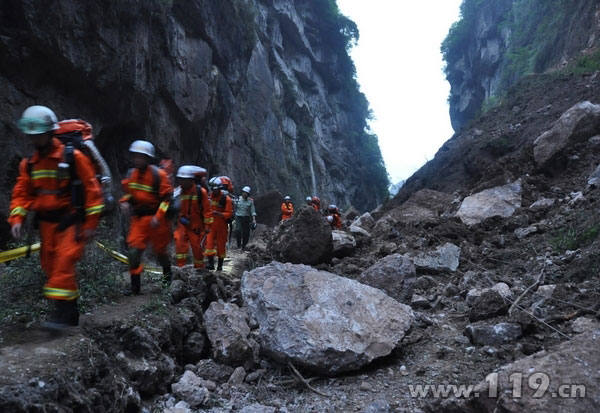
(147, 194)
(316, 203)
(195, 216)
(287, 208)
(334, 217)
(222, 211)
(48, 185)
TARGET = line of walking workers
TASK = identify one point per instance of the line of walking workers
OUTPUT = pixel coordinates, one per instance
(66, 185)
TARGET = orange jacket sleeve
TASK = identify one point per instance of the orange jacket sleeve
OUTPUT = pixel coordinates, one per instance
(22, 197)
(165, 193)
(94, 202)
(228, 212)
(206, 210)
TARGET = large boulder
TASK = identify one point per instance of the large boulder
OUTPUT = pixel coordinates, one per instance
(565, 379)
(501, 201)
(577, 124)
(268, 208)
(320, 320)
(393, 274)
(304, 239)
(228, 333)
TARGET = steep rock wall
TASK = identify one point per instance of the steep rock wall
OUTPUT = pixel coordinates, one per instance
(497, 42)
(247, 88)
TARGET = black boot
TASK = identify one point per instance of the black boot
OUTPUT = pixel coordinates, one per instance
(136, 284)
(71, 313)
(220, 264)
(65, 314)
(211, 263)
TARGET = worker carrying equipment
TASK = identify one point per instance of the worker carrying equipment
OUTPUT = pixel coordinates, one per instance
(222, 210)
(334, 217)
(62, 190)
(195, 217)
(147, 196)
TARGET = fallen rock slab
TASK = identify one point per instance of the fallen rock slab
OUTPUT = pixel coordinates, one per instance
(320, 320)
(501, 201)
(579, 123)
(445, 257)
(393, 274)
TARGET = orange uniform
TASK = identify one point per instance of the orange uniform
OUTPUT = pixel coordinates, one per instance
(217, 237)
(287, 210)
(44, 188)
(147, 202)
(337, 221)
(195, 218)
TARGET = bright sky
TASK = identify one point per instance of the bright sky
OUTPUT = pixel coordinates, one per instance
(400, 70)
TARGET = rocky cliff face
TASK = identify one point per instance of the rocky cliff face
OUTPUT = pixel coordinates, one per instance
(497, 42)
(248, 88)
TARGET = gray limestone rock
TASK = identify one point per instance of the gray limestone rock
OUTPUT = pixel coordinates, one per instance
(322, 321)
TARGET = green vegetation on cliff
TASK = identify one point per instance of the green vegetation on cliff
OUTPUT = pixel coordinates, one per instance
(536, 29)
(340, 33)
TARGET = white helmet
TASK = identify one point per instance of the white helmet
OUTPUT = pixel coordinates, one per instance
(143, 147)
(187, 172)
(215, 182)
(37, 120)
(287, 198)
(329, 219)
(332, 206)
(246, 189)
(309, 199)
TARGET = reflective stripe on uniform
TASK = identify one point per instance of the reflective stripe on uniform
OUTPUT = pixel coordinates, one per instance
(164, 206)
(94, 210)
(210, 220)
(188, 197)
(44, 173)
(140, 187)
(18, 211)
(60, 294)
(210, 252)
(181, 256)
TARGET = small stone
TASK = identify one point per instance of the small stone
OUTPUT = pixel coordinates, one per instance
(365, 386)
(237, 377)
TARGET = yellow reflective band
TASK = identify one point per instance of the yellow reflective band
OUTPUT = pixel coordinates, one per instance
(44, 173)
(18, 252)
(126, 197)
(210, 252)
(140, 187)
(198, 261)
(94, 210)
(179, 256)
(209, 220)
(164, 206)
(18, 211)
(124, 259)
(188, 197)
(58, 293)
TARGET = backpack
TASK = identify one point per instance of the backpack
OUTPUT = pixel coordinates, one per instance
(223, 203)
(76, 134)
(225, 180)
(175, 204)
